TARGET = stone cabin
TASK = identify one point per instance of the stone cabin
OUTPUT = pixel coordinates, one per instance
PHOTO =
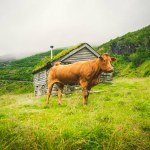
(81, 52)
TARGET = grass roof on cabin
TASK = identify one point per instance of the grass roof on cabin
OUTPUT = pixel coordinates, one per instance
(46, 61)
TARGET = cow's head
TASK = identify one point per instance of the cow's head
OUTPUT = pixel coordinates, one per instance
(105, 64)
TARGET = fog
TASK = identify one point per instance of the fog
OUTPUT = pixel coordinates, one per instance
(31, 26)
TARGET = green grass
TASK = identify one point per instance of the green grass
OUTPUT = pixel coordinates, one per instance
(126, 69)
(117, 117)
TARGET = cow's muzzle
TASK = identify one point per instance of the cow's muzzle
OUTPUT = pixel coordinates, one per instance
(110, 70)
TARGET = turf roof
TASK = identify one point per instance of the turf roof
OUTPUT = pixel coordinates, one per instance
(46, 62)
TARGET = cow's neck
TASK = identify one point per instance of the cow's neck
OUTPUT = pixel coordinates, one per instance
(99, 64)
(97, 67)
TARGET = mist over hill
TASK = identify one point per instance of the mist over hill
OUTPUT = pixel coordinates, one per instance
(16, 56)
(6, 58)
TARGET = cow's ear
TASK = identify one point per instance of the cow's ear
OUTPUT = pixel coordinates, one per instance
(113, 59)
(101, 58)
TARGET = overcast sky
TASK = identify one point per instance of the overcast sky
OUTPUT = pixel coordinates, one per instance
(31, 26)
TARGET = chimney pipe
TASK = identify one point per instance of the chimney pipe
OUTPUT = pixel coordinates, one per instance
(51, 48)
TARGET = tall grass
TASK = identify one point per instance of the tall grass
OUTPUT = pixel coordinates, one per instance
(117, 117)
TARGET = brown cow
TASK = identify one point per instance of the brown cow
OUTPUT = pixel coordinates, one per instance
(85, 73)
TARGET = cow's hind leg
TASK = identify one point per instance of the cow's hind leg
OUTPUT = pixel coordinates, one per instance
(60, 91)
(85, 95)
(50, 86)
(85, 92)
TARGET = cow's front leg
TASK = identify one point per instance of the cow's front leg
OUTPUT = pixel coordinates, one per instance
(85, 91)
(60, 90)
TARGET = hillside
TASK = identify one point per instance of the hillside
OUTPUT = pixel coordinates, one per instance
(132, 51)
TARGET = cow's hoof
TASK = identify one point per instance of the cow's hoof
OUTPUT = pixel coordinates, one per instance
(85, 104)
(59, 104)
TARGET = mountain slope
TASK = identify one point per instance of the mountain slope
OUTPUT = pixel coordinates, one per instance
(129, 43)
(132, 51)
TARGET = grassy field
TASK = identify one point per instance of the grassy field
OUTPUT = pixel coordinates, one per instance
(117, 117)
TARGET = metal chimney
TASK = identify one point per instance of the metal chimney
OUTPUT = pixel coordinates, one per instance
(51, 48)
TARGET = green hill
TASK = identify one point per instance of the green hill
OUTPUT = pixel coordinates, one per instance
(132, 51)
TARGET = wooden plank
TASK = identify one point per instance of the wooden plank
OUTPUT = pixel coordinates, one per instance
(78, 58)
(39, 83)
(83, 54)
(40, 78)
